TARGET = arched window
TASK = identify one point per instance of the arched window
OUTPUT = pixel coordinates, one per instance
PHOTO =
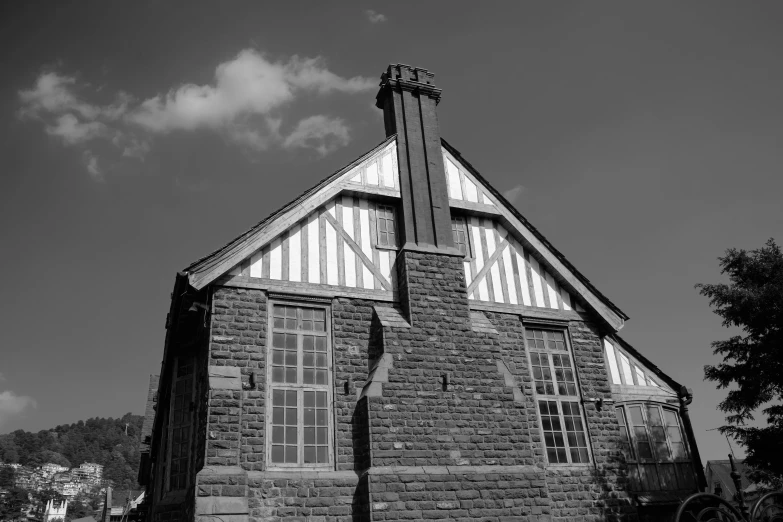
(653, 443)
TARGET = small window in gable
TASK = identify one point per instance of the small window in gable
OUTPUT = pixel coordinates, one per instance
(386, 230)
(459, 229)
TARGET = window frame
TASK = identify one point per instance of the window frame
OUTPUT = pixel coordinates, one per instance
(300, 387)
(188, 413)
(378, 207)
(469, 255)
(633, 456)
(556, 397)
(657, 474)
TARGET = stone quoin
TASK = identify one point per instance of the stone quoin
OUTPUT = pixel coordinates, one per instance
(400, 343)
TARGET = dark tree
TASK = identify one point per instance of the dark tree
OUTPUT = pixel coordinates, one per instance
(7, 475)
(752, 364)
(79, 508)
(13, 504)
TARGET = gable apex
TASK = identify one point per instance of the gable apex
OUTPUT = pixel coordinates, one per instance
(485, 198)
(353, 176)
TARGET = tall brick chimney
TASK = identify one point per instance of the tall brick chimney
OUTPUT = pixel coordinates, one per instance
(408, 99)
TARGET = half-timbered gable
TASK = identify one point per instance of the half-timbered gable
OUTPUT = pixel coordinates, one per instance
(400, 343)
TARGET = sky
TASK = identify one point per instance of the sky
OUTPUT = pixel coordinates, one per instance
(642, 139)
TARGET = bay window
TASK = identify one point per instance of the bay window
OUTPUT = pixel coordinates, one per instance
(653, 443)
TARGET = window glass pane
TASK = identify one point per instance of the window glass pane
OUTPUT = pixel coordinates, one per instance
(290, 454)
(323, 455)
(625, 438)
(636, 415)
(671, 418)
(278, 453)
(644, 450)
(678, 449)
(654, 416)
(309, 455)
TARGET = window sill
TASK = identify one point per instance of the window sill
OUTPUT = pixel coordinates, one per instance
(561, 466)
(300, 469)
(385, 247)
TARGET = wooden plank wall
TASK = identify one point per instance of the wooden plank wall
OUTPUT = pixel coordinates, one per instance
(335, 245)
(502, 271)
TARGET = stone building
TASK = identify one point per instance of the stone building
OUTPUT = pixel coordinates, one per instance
(400, 343)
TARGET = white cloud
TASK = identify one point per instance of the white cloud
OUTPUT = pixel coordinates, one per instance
(375, 17)
(53, 94)
(514, 194)
(320, 132)
(72, 131)
(12, 404)
(246, 92)
(91, 163)
(245, 103)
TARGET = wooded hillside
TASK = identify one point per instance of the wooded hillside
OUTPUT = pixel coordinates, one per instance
(111, 442)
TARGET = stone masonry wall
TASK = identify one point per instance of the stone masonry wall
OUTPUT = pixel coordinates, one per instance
(235, 467)
(576, 492)
(420, 449)
(420, 421)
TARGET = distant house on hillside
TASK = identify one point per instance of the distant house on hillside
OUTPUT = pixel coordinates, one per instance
(400, 343)
(49, 470)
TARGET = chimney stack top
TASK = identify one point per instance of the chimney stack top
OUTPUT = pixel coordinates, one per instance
(408, 78)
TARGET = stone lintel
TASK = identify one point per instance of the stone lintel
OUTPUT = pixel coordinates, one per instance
(225, 378)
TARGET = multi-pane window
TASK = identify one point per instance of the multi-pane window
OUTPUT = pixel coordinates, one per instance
(459, 230)
(384, 218)
(651, 433)
(181, 399)
(552, 371)
(558, 404)
(299, 389)
(652, 441)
